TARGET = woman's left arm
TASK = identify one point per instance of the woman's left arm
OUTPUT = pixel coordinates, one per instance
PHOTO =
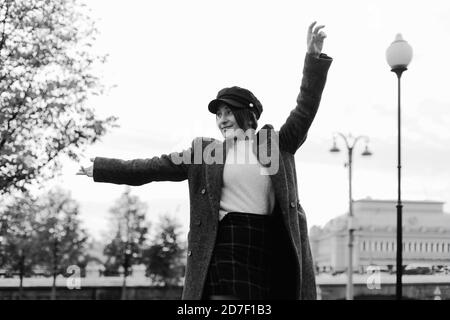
(294, 131)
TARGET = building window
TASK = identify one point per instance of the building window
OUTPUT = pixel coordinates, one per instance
(415, 246)
(426, 246)
(443, 247)
(420, 247)
(392, 245)
(409, 246)
(381, 246)
(364, 246)
(376, 246)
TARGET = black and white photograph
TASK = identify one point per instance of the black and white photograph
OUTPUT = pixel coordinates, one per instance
(245, 150)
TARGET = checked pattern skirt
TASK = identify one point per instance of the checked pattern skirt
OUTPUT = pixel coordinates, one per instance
(241, 257)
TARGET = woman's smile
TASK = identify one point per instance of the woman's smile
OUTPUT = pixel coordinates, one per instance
(227, 128)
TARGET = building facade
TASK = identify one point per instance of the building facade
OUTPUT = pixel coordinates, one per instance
(426, 236)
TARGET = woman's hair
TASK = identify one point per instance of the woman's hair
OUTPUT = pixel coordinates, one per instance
(245, 118)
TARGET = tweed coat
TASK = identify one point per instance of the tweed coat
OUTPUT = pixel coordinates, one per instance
(293, 268)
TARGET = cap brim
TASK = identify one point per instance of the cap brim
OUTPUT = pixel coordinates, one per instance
(216, 103)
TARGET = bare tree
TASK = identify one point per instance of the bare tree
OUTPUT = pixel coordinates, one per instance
(130, 228)
(62, 240)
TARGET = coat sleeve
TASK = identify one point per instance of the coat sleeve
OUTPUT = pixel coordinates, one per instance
(172, 167)
(294, 131)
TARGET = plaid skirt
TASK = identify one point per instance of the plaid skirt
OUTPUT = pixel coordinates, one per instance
(241, 258)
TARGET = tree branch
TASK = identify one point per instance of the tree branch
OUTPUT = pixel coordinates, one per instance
(3, 40)
(7, 134)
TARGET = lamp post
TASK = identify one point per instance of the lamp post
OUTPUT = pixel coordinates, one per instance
(350, 143)
(398, 56)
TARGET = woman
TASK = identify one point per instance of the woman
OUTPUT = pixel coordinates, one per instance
(248, 234)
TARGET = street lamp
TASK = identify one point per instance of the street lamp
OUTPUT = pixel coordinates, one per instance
(398, 56)
(350, 143)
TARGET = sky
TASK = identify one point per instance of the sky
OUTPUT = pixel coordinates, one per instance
(168, 59)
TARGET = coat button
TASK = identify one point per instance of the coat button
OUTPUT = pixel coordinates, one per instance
(293, 205)
(203, 191)
(189, 253)
(198, 222)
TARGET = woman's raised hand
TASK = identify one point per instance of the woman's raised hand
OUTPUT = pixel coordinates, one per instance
(89, 171)
(315, 39)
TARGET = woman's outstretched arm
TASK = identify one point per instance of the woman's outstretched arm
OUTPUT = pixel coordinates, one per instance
(173, 167)
(294, 131)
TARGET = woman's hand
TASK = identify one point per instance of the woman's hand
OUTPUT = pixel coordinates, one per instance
(315, 39)
(89, 171)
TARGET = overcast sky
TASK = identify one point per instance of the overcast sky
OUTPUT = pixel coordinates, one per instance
(169, 59)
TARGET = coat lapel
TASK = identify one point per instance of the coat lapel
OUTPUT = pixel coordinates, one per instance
(214, 177)
(268, 148)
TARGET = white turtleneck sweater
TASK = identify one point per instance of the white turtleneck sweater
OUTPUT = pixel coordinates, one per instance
(245, 186)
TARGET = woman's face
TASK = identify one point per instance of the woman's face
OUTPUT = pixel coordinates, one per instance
(225, 121)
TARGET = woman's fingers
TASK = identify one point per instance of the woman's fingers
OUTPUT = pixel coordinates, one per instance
(89, 171)
(315, 33)
(317, 29)
(320, 36)
(92, 159)
(315, 38)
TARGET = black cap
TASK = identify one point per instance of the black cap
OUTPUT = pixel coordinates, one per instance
(236, 97)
